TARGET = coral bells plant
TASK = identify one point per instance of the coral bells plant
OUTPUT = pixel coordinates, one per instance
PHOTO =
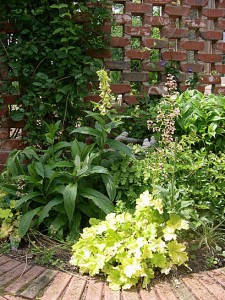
(128, 248)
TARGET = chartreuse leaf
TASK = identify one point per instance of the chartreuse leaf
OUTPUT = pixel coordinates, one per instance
(69, 197)
(123, 248)
(177, 252)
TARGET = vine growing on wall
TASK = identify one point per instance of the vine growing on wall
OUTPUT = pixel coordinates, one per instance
(48, 56)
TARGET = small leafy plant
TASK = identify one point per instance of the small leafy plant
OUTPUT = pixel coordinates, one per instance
(56, 189)
(130, 247)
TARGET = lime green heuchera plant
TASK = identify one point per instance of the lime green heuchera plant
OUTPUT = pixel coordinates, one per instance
(129, 247)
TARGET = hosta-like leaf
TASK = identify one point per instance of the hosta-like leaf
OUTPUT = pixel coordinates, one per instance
(99, 199)
(120, 147)
(30, 196)
(47, 208)
(88, 130)
(69, 197)
(25, 221)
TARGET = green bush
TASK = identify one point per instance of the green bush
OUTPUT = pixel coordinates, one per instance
(203, 116)
(129, 247)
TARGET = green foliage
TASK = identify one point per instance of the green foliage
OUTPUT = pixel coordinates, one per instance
(203, 116)
(9, 218)
(48, 55)
(129, 247)
(192, 179)
(56, 191)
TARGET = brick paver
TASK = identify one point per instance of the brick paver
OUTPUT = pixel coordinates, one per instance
(19, 281)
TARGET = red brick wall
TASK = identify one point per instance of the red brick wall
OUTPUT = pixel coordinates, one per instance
(191, 34)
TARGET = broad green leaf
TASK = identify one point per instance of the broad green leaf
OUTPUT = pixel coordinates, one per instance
(88, 130)
(96, 116)
(25, 221)
(39, 169)
(60, 145)
(47, 208)
(11, 189)
(100, 200)
(120, 147)
(69, 197)
(177, 252)
(109, 185)
(27, 197)
(75, 148)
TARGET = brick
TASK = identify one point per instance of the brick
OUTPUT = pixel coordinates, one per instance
(75, 288)
(137, 54)
(210, 58)
(221, 24)
(158, 89)
(3, 111)
(57, 286)
(94, 98)
(100, 53)
(3, 259)
(109, 294)
(138, 30)
(165, 291)
(160, 2)
(192, 45)
(156, 21)
(10, 99)
(177, 11)
(220, 46)
(9, 297)
(210, 79)
(106, 28)
(135, 76)
(122, 19)
(130, 99)
(211, 285)
(3, 158)
(220, 69)
(7, 27)
(11, 263)
(195, 67)
(7, 123)
(153, 67)
(174, 55)
(130, 295)
(213, 14)
(218, 276)
(211, 35)
(154, 43)
(120, 88)
(220, 90)
(13, 274)
(2, 167)
(23, 280)
(119, 42)
(195, 3)
(222, 3)
(38, 284)
(94, 291)
(117, 65)
(138, 8)
(11, 144)
(174, 33)
(196, 24)
(146, 295)
(197, 289)
(181, 290)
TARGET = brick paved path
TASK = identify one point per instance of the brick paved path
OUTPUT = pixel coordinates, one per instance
(19, 281)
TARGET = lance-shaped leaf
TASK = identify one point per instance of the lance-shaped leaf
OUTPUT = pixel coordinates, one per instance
(25, 221)
(69, 196)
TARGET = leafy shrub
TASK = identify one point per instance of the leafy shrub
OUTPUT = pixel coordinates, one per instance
(9, 218)
(56, 189)
(129, 247)
(190, 181)
(52, 65)
(204, 116)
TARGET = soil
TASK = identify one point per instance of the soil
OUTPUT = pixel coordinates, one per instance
(41, 250)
